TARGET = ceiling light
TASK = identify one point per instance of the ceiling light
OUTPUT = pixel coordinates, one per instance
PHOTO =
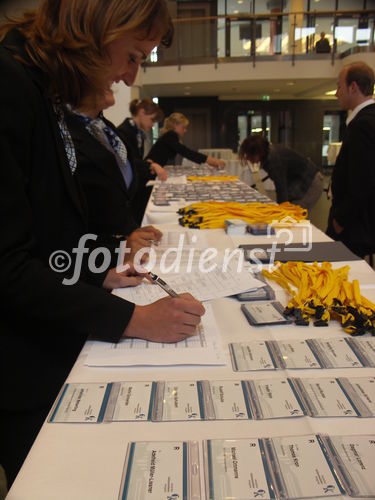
(186, 93)
(331, 92)
(235, 11)
(187, 87)
(290, 84)
(240, 1)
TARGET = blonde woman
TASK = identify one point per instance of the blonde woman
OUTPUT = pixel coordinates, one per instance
(64, 52)
(169, 144)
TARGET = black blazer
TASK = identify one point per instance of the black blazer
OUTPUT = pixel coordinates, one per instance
(353, 184)
(291, 172)
(168, 146)
(108, 199)
(128, 133)
(43, 323)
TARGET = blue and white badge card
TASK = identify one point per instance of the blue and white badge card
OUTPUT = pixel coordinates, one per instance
(161, 471)
(364, 349)
(234, 469)
(334, 353)
(300, 469)
(272, 398)
(251, 356)
(81, 403)
(353, 458)
(293, 354)
(223, 400)
(175, 401)
(265, 313)
(361, 392)
(129, 401)
(323, 397)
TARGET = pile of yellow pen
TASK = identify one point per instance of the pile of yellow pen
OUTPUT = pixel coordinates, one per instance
(212, 214)
(322, 293)
(211, 178)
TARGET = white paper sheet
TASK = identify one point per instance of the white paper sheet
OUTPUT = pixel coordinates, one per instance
(203, 286)
(188, 238)
(203, 349)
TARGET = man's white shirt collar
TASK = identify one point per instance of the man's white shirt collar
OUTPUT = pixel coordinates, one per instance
(357, 109)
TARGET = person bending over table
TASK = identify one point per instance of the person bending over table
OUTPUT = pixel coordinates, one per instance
(109, 181)
(297, 179)
(169, 144)
(44, 320)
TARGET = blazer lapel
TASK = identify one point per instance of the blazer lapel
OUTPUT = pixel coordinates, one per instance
(70, 183)
(97, 153)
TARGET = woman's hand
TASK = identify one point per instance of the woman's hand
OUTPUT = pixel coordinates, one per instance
(215, 162)
(143, 237)
(129, 277)
(158, 170)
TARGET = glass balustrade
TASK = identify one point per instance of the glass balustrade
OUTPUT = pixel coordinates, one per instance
(237, 34)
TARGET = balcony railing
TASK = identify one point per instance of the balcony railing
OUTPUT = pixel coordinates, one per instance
(256, 37)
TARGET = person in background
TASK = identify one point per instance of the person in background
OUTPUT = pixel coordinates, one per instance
(109, 180)
(322, 46)
(132, 131)
(169, 144)
(352, 215)
(297, 179)
(144, 114)
(44, 322)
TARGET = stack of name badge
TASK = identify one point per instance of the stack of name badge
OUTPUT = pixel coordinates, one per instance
(235, 227)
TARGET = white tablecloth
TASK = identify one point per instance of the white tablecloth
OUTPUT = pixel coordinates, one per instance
(85, 462)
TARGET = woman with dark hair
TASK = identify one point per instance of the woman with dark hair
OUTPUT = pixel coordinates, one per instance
(297, 179)
(144, 114)
(65, 52)
(132, 131)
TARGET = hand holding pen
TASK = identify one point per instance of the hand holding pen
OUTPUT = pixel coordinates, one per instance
(170, 319)
(162, 284)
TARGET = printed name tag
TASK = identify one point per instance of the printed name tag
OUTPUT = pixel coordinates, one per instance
(264, 313)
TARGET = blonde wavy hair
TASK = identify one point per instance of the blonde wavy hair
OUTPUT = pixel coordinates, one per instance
(172, 120)
(68, 40)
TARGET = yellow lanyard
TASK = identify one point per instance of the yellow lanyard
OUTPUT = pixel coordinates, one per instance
(212, 214)
(320, 292)
(213, 178)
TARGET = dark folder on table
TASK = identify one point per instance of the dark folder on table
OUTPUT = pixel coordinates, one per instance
(327, 251)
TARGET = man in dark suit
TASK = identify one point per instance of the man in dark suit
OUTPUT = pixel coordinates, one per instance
(322, 46)
(352, 215)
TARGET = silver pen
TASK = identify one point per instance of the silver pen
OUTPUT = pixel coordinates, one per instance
(155, 278)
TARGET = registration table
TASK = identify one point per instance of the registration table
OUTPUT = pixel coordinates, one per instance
(85, 461)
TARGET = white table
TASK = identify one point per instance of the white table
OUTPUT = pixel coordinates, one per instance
(83, 461)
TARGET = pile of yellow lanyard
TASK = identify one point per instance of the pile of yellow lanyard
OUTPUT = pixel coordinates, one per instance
(322, 293)
(213, 178)
(212, 214)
